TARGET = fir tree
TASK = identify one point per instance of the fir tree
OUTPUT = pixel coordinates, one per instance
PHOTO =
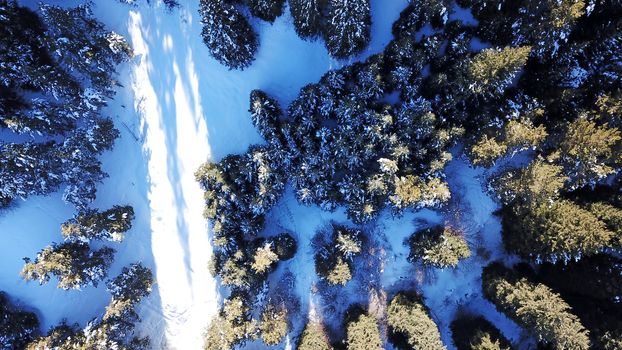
(363, 334)
(232, 326)
(267, 10)
(110, 224)
(589, 150)
(438, 246)
(535, 307)
(476, 333)
(17, 327)
(408, 318)
(492, 70)
(274, 325)
(73, 263)
(347, 29)
(307, 17)
(314, 337)
(229, 37)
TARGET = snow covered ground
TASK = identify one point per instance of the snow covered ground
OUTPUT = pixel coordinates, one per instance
(178, 108)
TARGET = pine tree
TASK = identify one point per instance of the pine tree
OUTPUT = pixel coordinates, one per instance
(438, 246)
(267, 10)
(409, 318)
(264, 258)
(17, 327)
(307, 17)
(233, 326)
(115, 329)
(559, 230)
(492, 70)
(476, 333)
(598, 276)
(589, 151)
(347, 30)
(363, 334)
(73, 263)
(229, 37)
(487, 150)
(535, 307)
(274, 325)
(110, 224)
(539, 182)
(314, 338)
(612, 217)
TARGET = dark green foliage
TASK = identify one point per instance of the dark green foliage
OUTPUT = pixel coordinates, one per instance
(535, 307)
(598, 277)
(417, 14)
(229, 37)
(438, 246)
(347, 28)
(285, 246)
(267, 10)
(307, 17)
(73, 263)
(410, 320)
(17, 327)
(476, 333)
(314, 338)
(110, 224)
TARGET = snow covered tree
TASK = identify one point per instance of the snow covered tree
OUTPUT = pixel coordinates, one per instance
(347, 29)
(476, 333)
(334, 251)
(492, 70)
(113, 330)
(539, 182)
(17, 327)
(229, 37)
(91, 224)
(363, 333)
(409, 318)
(307, 15)
(418, 13)
(274, 325)
(535, 307)
(267, 10)
(590, 151)
(233, 326)
(73, 263)
(314, 337)
(265, 114)
(438, 246)
(264, 258)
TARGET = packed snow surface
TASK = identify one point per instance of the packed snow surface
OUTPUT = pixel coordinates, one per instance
(178, 108)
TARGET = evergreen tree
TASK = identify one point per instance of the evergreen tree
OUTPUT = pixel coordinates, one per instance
(274, 325)
(17, 327)
(307, 17)
(73, 263)
(233, 326)
(612, 217)
(598, 277)
(264, 258)
(477, 333)
(229, 37)
(363, 334)
(410, 319)
(115, 329)
(589, 151)
(110, 224)
(535, 307)
(487, 150)
(314, 337)
(334, 252)
(267, 10)
(492, 70)
(347, 29)
(438, 246)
